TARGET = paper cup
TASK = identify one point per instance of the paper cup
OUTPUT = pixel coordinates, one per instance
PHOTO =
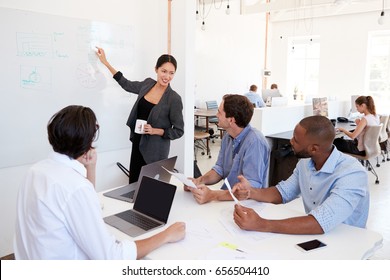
(139, 126)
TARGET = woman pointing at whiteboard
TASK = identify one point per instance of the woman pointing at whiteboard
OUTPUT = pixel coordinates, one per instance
(156, 117)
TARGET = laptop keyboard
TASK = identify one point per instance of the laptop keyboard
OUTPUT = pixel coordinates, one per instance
(138, 220)
(129, 194)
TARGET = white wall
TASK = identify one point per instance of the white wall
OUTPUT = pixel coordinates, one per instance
(150, 19)
(343, 51)
(229, 53)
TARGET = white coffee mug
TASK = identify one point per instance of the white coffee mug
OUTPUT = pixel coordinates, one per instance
(139, 126)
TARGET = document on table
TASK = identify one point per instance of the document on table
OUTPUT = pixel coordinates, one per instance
(230, 191)
(183, 178)
(200, 237)
(226, 219)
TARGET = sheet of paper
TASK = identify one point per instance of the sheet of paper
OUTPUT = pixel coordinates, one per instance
(230, 191)
(226, 219)
(183, 178)
(200, 237)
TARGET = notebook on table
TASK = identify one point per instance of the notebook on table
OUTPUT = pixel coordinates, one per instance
(151, 209)
(154, 170)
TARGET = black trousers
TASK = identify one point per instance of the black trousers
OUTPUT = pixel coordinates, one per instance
(348, 146)
(136, 160)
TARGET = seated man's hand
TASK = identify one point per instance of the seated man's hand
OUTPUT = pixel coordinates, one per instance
(247, 219)
(242, 189)
(187, 188)
(175, 232)
(202, 194)
(196, 182)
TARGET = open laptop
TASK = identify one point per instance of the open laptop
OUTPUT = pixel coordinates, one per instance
(151, 208)
(153, 170)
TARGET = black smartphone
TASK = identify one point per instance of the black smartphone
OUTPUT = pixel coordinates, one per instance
(311, 245)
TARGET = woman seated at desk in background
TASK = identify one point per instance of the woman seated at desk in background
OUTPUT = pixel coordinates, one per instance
(364, 105)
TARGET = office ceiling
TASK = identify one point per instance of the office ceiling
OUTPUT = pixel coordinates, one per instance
(282, 10)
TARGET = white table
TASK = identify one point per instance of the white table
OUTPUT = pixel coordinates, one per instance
(207, 236)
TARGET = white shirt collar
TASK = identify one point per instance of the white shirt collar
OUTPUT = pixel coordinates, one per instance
(72, 163)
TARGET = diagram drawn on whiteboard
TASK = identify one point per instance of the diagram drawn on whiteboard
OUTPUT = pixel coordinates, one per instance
(38, 78)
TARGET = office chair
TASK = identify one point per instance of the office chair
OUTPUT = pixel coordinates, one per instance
(371, 147)
(212, 105)
(383, 139)
(124, 169)
(199, 138)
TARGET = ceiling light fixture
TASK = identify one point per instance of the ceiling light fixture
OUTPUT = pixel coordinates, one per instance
(381, 19)
(197, 10)
(203, 26)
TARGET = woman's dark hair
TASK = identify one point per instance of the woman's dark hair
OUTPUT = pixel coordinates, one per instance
(369, 101)
(239, 107)
(72, 130)
(164, 59)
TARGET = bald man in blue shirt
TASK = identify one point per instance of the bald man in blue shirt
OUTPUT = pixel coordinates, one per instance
(333, 186)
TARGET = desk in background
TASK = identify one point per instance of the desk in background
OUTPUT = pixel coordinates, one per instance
(282, 162)
(208, 237)
(271, 120)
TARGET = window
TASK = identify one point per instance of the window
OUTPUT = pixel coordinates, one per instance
(378, 69)
(303, 65)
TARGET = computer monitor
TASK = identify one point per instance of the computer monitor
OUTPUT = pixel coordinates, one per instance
(265, 93)
(353, 112)
(353, 105)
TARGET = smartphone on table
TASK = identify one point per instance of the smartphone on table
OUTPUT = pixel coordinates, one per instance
(310, 245)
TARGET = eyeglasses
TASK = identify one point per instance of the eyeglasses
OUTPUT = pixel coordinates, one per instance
(96, 136)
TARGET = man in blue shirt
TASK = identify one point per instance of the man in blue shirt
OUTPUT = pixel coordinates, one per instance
(254, 97)
(244, 150)
(333, 186)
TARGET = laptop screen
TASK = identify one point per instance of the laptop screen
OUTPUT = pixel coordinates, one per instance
(155, 170)
(154, 198)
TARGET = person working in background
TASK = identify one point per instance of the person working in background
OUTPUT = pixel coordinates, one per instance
(254, 97)
(244, 150)
(58, 211)
(274, 86)
(364, 105)
(159, 105)
(333, 186)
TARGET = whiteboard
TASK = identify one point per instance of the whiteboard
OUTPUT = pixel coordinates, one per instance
(49, 62)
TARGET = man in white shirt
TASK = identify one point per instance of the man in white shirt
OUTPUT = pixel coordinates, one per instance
(58, 211)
